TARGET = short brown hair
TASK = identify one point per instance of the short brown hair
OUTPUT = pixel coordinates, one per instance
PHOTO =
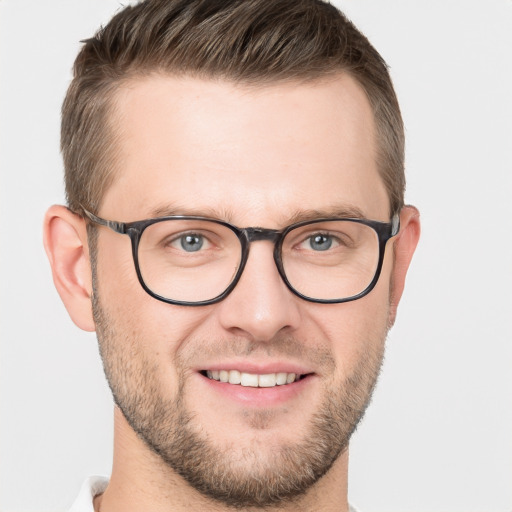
(238, 40)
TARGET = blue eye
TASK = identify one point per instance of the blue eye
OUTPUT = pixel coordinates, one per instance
(320, 242)
(191, 243)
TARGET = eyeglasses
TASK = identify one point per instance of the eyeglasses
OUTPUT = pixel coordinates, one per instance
(194, 261)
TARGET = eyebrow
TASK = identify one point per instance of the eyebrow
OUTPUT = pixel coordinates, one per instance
(338, 211)
(170, 210)
(344, 211)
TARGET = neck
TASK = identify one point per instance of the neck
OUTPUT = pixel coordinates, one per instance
(140, 480)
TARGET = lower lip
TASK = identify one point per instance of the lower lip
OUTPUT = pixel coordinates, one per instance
(259, 397)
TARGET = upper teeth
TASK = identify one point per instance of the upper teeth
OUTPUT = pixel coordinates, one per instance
(251, 379)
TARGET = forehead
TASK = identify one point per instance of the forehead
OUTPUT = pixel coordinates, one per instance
(253, 155)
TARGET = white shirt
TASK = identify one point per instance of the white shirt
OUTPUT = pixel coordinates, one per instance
(95, 485)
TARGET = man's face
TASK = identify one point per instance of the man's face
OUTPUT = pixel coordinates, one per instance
(263, 157)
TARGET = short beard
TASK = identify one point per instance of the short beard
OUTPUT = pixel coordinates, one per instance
(253, 478)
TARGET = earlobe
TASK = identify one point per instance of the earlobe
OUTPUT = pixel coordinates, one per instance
(65, 242)
(404, 246)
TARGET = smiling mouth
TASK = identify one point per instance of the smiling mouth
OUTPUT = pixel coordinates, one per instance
(253, 380)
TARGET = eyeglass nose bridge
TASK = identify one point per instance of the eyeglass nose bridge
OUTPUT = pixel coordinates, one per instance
(259, 234)
(256, 234)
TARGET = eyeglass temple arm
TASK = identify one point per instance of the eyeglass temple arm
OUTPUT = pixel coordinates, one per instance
(118, 227)
(395, 224)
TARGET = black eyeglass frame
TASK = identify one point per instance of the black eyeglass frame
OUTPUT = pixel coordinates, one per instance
(384, 230)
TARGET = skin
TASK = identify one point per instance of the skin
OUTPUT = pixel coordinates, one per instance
(255, 156)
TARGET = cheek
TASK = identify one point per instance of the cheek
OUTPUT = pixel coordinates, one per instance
(159, 330)
(354, 329)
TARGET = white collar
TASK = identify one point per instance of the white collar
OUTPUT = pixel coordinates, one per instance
(92, 486)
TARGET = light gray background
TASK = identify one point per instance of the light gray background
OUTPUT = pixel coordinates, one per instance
(438, 436)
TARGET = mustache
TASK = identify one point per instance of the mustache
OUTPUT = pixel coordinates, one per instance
(317, 353)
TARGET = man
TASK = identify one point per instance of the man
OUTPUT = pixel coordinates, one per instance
(237, 237)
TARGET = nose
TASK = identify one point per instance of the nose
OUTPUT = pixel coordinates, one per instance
(261, 305)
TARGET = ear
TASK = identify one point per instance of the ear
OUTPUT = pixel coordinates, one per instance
(404, 245)
(65, 242)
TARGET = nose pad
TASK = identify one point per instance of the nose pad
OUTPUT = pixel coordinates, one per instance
(261, 305)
